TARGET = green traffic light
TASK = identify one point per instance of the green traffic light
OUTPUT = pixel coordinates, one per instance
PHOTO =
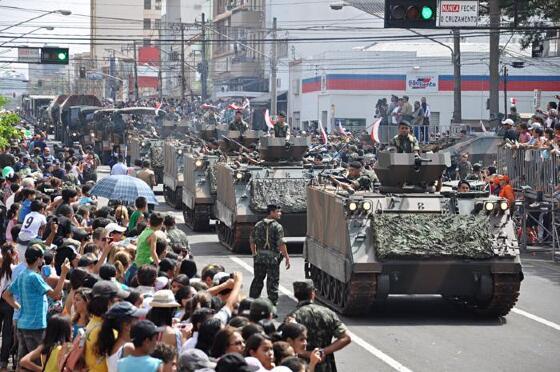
(61, 56)
(427, 13)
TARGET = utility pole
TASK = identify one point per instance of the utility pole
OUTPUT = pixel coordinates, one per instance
(204, 69)
(505, 74)
(494, 59)
(182, 60)
(456, 55)
(135, 72)
(274, 71)
(112, 73)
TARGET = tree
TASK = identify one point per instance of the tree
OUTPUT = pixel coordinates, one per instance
(8, 122)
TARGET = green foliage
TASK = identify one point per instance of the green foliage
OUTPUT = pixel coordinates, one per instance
(8, 130)
(4, 101)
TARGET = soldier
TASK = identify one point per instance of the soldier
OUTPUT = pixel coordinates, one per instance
(281, 129)
(354, 179)
(322, 326)
(268, 249)
(463, 186)
(405, 142)
(239, 124)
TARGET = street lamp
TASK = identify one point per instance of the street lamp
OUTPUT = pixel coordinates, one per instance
(63, 12)
(48, 28)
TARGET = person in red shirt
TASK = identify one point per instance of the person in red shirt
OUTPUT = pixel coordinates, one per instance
(506, 190)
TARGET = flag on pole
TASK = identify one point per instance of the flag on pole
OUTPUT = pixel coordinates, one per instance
(341, 129)
(323, 133)
(246, 104)
(482, 127)
(233, 106)
(268, 120)
(374, 135)
(158, 106)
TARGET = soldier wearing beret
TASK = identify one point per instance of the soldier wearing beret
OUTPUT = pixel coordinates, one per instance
(405, 142)
(355, 180)
(322, 326)
(281, 128)
(268, 249)
(238, 123)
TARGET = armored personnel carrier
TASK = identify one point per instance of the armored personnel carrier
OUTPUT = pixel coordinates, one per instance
(405, 238)
(173, 155)
(199, 190)
(245, 190)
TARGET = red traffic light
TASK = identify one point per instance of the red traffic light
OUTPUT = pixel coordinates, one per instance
(398, 12)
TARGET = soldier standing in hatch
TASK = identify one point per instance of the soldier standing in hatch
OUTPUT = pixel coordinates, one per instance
(281, 128)
(238, 123)
(356, 180)
(268, 249)
(405, 142)
(322, 326)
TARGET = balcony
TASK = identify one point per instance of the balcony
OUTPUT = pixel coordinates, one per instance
(246, 18)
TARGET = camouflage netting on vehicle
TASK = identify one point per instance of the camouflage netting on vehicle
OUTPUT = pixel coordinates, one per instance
(430, 236)
(156, 156)
(211, 177)
(288, 193)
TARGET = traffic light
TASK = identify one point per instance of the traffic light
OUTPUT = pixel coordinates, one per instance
(55, 56)
(410, 13)
(537, 48)
(82, 72)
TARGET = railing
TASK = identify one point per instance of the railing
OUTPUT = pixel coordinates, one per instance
(529, 167)
(422, 132)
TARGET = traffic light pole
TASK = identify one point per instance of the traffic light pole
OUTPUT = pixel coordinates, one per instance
(135, 71)
(456, 55)
(274, 71)
(204, 73)
(494, 60)
(183, 88)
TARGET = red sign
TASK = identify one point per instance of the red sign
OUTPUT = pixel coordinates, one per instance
(451, 8)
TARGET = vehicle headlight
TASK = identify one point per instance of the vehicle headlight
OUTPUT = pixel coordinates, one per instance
(74, 134)
(366, 206)
(352, 206)
(504, 205)
(198, 163)
(180, 151)
(489, 206)
(239, 175)
(143, 144)
(92, 135)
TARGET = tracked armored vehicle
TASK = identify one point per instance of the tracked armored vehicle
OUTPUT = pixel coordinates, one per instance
(407, 239)
(173, 155)
(199, 190)
(245, 190)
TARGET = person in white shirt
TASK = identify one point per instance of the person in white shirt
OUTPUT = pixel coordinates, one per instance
(120, 167)
(33, 226)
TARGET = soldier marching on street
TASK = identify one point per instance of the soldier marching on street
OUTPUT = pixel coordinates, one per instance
(322, 326)
(268, 249)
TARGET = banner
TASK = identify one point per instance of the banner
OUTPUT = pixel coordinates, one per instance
(422, 82)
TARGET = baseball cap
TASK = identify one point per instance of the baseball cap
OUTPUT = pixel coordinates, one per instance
(507, 122)
(218, 277)
(142, 330)
(114, 227)
(122, 309)
(234, 362)
(261, 307)
(194, 359)
(405, 122)
(106, 288)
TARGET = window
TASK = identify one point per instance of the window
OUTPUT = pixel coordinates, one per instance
(147, 4)
(157, 23)
(147, 23)
(147, 42)
(158, 4)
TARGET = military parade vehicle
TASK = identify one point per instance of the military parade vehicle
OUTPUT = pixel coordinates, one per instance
(405, 238)
(173, 163)
(53, 112)
(34, 108)
(245, 189)
(72, 120)
(199, 190)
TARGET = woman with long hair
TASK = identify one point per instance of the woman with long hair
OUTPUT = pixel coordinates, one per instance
(9, 260)
(59, 332)
(296, 335)
(11, 217)
(259, 351)
(227, 340)
(81, 316)
(163, 308)
(114, 337)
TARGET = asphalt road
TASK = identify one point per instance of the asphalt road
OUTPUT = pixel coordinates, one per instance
(427, 333)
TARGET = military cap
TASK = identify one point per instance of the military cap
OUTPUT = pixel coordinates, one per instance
(282, 113)
(355, 165)
(261, 307)
(405, 122)
(303, 286)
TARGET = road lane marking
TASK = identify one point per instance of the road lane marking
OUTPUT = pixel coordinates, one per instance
(355, 338)
(536, 318)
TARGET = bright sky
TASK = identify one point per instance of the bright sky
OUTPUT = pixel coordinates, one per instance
(75, 24)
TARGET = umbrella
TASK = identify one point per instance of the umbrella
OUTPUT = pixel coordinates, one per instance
(125, 188)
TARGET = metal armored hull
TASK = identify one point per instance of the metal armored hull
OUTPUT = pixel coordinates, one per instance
(199, 190)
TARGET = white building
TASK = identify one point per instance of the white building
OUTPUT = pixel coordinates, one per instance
(345, 87)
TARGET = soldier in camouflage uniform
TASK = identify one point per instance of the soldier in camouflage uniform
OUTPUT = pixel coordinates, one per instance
(281, 129)
(239, 124)
(268, 249)
(405, 142)
(355, 179)
(322, 326)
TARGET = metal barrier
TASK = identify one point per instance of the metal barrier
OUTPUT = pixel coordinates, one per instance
(422, 132)
(527, 167)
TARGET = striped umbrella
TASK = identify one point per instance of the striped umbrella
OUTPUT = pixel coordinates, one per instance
(124, 188)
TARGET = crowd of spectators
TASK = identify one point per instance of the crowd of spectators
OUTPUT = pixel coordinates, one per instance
(111, 288)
